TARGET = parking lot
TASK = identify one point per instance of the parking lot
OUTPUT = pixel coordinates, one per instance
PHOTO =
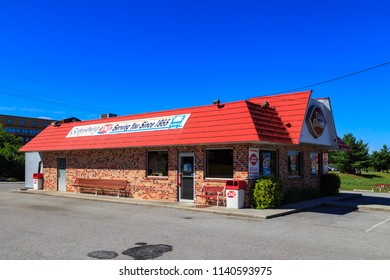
(46, 227)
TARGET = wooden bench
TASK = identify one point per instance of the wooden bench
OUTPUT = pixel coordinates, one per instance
(100, 185)
(380, 187)
(212, 193)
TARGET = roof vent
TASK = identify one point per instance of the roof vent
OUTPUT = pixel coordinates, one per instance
(56, 123)
(217, 103)
(108, 115)
(68, 120)
(72, 119)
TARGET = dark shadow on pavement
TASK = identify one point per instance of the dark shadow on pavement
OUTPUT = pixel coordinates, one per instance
(346, 206)
(368, 200)
(333, 210)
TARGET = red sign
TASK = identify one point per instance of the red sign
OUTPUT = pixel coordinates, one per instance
(231, 194)
(316, 121)
(254, 159)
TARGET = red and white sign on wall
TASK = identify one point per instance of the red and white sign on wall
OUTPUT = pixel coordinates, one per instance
(253, 164)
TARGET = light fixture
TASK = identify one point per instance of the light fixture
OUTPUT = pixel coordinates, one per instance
(265, 104)
(217, 103)
(56, 124)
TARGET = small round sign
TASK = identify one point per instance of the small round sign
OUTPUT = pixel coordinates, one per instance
(104, 129)
(253, 159)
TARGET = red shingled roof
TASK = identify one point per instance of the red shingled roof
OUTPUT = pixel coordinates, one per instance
(234, 122)
(291, 108)
(343, 146)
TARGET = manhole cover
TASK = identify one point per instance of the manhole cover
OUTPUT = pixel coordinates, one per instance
(103, 255)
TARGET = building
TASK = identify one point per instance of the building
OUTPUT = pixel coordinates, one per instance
(169, 155)
(24, 127)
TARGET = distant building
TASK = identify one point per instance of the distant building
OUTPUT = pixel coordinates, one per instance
(24, 127)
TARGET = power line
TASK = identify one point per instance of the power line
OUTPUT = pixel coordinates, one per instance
(46, 83)
(49, 99)
(52, 99)
(335, 79)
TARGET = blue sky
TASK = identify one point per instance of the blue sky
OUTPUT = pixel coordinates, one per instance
(81, 58)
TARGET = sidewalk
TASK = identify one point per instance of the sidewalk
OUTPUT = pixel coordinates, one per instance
(243, 213)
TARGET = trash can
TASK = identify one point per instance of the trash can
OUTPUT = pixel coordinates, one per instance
(235, 193)
(38, 181)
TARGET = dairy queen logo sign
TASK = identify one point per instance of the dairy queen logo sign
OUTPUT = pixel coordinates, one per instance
(105, 129)
(315, 121)
(231, 194)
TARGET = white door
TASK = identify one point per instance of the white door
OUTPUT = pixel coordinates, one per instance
(61, 168)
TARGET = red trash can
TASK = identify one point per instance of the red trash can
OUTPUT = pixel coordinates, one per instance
(38, 181)
(235, 194)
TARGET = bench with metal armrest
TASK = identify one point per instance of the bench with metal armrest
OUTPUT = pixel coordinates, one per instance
(212, 193)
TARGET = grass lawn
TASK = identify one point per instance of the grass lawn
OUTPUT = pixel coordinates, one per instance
(363, 181)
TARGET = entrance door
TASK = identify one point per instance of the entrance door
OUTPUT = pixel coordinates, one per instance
(61, 174)
(187, 176)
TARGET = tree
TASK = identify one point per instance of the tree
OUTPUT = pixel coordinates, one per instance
(353, 161)
(380, 161)
(11, 160)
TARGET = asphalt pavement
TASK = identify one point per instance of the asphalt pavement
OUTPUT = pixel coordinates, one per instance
(361, 200)
(52, 225)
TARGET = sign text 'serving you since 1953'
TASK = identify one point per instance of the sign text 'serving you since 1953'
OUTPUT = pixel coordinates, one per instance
(140, 125)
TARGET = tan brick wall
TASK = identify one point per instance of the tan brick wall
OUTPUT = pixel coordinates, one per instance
(130, 164)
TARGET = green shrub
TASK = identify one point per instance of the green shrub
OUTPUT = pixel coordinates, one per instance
(330, 184)
(299, 193)
(267, 193)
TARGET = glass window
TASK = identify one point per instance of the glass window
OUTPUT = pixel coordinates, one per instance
(267, 163)
(45, 124)
(22, 122)
(294, 164)
(34, 123)
(9, 121)
(219, 163)
(314, 164)
(158, 163)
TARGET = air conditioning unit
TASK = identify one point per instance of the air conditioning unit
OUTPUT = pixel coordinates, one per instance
(108, 115)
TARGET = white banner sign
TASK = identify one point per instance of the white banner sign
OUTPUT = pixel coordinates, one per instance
(253, 164)
(140, 125)
(325, 162)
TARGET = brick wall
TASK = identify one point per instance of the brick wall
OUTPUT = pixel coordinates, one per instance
(130, 164)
